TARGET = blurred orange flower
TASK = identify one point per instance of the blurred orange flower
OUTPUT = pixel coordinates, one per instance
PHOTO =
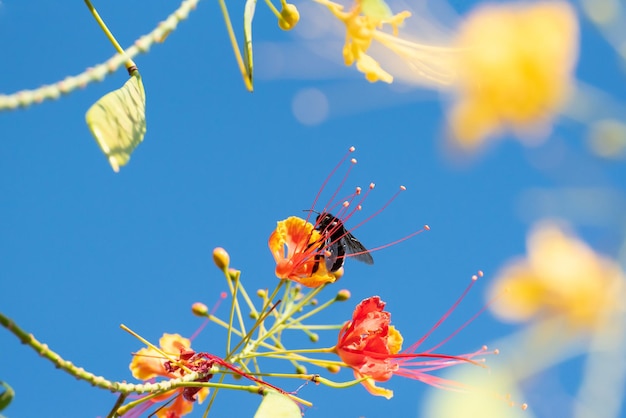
(148, 363)
(371, 347)
(295, 245)
(561, 276)
(515, 69)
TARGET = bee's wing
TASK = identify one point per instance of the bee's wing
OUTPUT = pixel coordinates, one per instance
(353, 246)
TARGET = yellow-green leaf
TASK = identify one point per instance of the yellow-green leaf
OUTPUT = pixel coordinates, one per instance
(376, 8)
(248, 15)
(7, 396)
(118, 121)
(276, 405)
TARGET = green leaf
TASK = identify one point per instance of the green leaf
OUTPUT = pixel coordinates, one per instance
(7, 396)
(118, 121)
(248, 15)
(276, 405)
(376, 8)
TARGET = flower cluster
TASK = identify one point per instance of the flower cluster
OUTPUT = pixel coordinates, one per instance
(310, 255)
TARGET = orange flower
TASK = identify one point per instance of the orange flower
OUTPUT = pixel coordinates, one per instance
(561, 276)
(148, 364)
(295, 245)
(371, 347)
(515, 69)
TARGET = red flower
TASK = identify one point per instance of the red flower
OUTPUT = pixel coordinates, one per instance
(371, 347)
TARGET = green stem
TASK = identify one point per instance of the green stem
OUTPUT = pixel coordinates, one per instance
(97, 72)
(279, 324)
(97, 381)
(249, 388)
(315, 327)
(238, 333)
(326, 350)
(259, 321)
(118, 403)
(133, 404)
(233, 284)
(273, 8)
(58, 361)
(129, 63)
(311, 312)
(213, 396)
(245, 296)
(233, 41)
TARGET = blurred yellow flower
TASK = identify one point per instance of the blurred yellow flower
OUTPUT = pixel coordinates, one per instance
(514, 69)
(562, 277)
(361, 30)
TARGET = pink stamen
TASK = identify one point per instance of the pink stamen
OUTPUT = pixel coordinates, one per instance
(470, 320)
(445, 316)
(239, 371)
(332, 172)
(222, 297)
(369, 218)
(411, 235)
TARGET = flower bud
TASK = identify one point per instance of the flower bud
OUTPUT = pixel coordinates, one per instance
(199, 309)
(333, 368)
(262, 293)
(234, 274)
(342, 295)
(314, 338)
(300, 369)
(221, 258)
(289, 17)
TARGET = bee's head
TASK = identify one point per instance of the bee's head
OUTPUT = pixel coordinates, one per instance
(325, 220)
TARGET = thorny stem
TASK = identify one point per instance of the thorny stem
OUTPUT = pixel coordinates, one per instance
(58, 361)
(247, 388)
(25, 98)
(98, 381)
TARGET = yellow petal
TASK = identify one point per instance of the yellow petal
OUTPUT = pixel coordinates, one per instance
(370, 386)
(372, 69)
(394, 340)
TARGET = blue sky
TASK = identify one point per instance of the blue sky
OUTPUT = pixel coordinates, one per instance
(85, 249)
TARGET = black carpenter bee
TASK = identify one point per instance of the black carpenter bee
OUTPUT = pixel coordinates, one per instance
(338, 241)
